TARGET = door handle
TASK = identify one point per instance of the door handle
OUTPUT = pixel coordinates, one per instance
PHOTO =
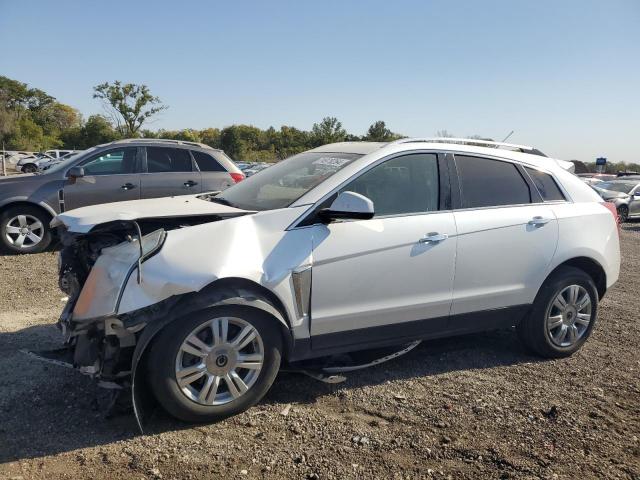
(538, 221)
(433, 237)
(128, 186)
(190, 183)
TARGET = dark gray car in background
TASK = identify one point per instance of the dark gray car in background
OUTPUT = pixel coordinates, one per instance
(117, 171)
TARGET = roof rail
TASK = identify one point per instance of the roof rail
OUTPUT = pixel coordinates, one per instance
(161, 140)
(473, 141)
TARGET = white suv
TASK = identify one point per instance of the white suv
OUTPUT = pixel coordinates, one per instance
(345, 247)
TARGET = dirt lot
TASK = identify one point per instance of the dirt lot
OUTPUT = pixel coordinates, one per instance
(470, 407)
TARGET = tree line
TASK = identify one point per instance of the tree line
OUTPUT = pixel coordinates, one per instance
(32, 120)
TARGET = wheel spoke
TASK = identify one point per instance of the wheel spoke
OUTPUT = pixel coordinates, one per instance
(572, 334)
(583, 319)
(22, 220)
(20, 240)
(561, 334)
(246, 335)
(33, 237)
(213, 391)
(555, 321)
(236, 385)
(188, 375)
(11, 229)
(584, 302)
(220, 328)
(574, 291)
(560, 302)
(251, 361)
(37, 225)
(195, 346)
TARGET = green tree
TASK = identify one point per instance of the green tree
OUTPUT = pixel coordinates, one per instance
(378, 132)
(329, 130)
(129, 105)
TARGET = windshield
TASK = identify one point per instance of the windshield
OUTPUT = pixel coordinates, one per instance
(623, 187)
(285, 182)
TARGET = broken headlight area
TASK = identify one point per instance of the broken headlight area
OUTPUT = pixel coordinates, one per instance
(93, 271)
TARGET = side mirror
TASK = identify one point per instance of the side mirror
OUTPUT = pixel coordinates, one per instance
(348, 206)
(75, 172)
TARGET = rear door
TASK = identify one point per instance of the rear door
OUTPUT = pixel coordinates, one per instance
(169, 172)
(214, 176)
(109, 176)
(506, 236)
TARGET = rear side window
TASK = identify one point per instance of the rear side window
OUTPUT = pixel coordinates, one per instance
(546, 185)
(161, 159)
(490, 183)
(402, 185)
(206, 163)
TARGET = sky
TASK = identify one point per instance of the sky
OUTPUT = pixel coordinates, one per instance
(563, 75)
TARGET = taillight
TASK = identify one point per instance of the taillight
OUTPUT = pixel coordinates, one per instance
(237, 177)
(614, 211)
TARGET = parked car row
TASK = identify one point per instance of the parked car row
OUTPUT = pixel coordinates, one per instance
(251, 168)
(117, 171)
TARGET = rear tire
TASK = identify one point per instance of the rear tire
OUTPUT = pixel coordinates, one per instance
(29, 168)
(208, 362)
(563, 315)
(24, 229)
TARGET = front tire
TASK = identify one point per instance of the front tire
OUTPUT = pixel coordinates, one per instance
(563, 314)
(623, 213)
(215, 363)
(29, 168)
(24, 229)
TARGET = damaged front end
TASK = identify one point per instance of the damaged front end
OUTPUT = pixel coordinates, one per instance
(93, 271)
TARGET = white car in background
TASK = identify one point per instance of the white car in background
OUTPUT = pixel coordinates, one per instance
(344, 247)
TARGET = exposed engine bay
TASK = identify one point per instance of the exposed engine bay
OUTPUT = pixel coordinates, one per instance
(103, 348)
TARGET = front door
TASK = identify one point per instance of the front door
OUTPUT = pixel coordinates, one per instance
(111, 176)
(169, 172)
(390, 277)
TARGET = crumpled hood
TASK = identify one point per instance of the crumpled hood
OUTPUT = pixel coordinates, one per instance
(82, 220)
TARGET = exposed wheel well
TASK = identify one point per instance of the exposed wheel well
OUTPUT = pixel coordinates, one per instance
(26, 204)
(227, 288)
(591, 268)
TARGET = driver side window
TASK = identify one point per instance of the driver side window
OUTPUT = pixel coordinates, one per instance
(402, 185)
(113, 162)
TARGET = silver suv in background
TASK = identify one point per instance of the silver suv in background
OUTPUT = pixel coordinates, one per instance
(122, 170)
(624, 193)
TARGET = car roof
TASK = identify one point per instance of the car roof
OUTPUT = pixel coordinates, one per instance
(519, 153)
(362, 148)
(158, 142)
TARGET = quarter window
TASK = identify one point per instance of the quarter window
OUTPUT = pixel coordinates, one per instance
(546, 185)
(162, 160)
(402, 185)
(490, 183)
(114, 162)
(206, 163)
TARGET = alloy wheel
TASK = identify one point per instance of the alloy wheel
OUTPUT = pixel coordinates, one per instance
(24, 231)
(219, 361)
(569, 316)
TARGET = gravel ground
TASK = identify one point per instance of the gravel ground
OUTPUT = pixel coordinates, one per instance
(467, 407)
